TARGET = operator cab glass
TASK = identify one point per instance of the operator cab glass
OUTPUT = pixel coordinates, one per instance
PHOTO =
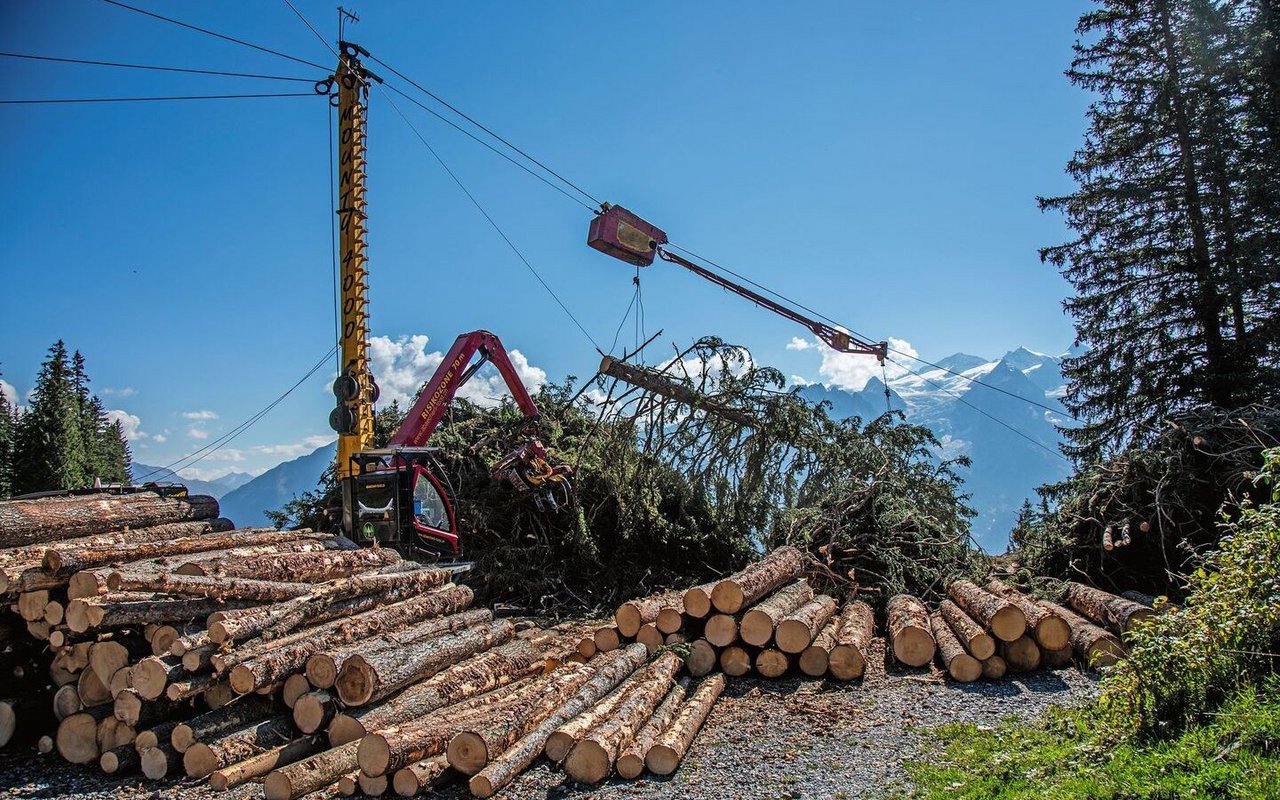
(428, 506)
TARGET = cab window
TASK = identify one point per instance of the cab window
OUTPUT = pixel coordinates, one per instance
(428, 506)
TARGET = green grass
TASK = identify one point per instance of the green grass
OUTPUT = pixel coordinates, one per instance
(1064, 756)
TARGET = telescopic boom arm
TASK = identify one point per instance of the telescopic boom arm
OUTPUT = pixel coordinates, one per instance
(453, 372)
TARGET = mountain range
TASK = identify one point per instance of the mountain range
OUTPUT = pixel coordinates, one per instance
(145, 473)
(979, 407)
(1013, 443)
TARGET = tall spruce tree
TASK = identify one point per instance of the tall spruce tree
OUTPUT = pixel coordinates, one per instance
(1170, 300)
(8, 420)
(50, 444)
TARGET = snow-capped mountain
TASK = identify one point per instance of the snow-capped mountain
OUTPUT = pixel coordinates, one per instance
(979, 421)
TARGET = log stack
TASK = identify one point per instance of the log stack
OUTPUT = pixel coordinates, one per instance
(164, 641)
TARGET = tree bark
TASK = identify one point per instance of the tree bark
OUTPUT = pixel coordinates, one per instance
(493, 756)
(670, 748)
(501, 667)
(18, 560)
(310, 774)
(744, 588)
(562, 740)
(1022, 654)
(796, 631)
(322, 668)
(697, 600)
(192, 686)
(853, 636)
(258, 765)
(338, 598)
(28, 522)
(701, 659)
(318, 567)
(64, 561)
(220, 588)
(910, 631)
(1049, 630)
(816, 658)
(759, 622)
(210, 725)
(634, 613)
(371, 676)
(959, 664)
(630, 761)
(592, 758)
(996, 614)
(275, 660)
(975, 640)
(1107, 609)
(1094, 646)
(419, 776)
(202, 758)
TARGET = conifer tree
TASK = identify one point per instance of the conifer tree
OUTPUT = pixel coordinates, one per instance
(7, 422)
(1170, 300)
(50, 451)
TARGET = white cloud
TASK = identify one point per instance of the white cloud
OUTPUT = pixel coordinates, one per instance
(288, 451)
(129, 423)
(852, 371)
(402, 365)
(203, 416)
(225, 454)
(160, 438)
(212, 473)
(196, 432)
(127, 391)
(797, 343)
(9, 391)
(797, 380)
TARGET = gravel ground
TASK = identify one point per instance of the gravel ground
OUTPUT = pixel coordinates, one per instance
(789, 738)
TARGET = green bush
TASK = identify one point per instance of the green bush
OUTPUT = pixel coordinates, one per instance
(1187, 661)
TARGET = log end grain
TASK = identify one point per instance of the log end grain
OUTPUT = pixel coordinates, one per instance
(727, 597)
(77, 739)
(1052, 633)
(669, 620)
(1009, 623)
(793, 636)
(157, 762)
(295, 686)
(278, 786)
(814, 661)
(701, 659)
(722, 630)
(466, 752)
(964, 668)
(994, 668)
(321, 670)
(588, 762)
(199, 760)
(662, 759)
(846, 663)
(735, 661)
(374, 754)
(772, 663)
(756, 628)
(697, 602)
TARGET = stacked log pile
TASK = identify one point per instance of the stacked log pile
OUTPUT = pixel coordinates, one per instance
(161, 640)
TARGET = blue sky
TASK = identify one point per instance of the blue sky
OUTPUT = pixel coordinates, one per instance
(877, 161)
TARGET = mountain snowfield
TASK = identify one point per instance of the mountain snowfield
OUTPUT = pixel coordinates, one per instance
(974, 420)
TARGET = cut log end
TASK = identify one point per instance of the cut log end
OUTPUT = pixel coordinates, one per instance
(200, 761)
(467, 753)
(662, 759)
(374, 754)
(588, 762)
(277, 786)
(722, 630)
(480, 786)
(846, 663)
(629, 766)
(1009, 623)
(994, 668)
(1053, 633)
(814, 661)
(727, 597)
(701, 659)
(77, 739)
(157, 762)
(964, 668)
(735, 661)
(295, 686)
(772, 663)
(913, 647)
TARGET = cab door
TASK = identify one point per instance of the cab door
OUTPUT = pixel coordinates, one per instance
(432, 514)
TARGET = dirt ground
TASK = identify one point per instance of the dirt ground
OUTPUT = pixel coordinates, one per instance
(787, 738)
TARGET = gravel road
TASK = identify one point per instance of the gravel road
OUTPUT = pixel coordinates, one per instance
(788, 738)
